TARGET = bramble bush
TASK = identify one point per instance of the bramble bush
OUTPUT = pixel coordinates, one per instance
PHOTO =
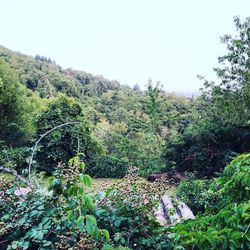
(69, 216)
(196, 194)
(225, 225)
(62, 219)
(127, 213)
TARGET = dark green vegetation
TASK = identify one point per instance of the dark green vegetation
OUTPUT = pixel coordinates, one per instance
(110, 127)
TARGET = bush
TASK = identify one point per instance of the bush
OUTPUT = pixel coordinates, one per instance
(63, 143)
(127, 212)
(226, 225)
(227, 229)
(15, 157)
(196, 194)
(61, 220)
(108, 167)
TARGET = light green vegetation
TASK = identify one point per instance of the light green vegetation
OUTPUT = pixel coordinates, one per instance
(93, 127)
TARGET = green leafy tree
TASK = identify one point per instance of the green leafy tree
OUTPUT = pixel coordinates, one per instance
(220, 128)
(228, 102)
(15, 109)
(63, 143)
(153, 106)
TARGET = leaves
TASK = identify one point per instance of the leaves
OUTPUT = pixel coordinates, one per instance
(86, 179)
(90, 224)
(105, 233)
(79, 223)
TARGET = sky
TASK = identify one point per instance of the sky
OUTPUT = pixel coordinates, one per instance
(125, 40)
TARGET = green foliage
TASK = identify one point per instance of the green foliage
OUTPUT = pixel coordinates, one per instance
(231, 187)
(153, 106)
(236, 180)
(225, 225)
(16, 109)
(205, 147)
(15, 157)
(232, 95)
(138, 121)
(196, 194)
(63, 143)
(43, 75)
(61, 220)
(219, 129)
(128, 215)
(228, 229)
(199, 135)
(108, 167)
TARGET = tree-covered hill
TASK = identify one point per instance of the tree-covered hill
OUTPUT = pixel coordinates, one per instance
(46, 77)
(122, 118)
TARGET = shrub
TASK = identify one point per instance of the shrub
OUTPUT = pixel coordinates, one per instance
(227, 229)
(58, 221)
(196, 194)
(127, 212)
(108, 167)
(226, 225)
(63, 143)
(15, 157)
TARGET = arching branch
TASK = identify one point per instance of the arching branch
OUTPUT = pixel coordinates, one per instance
(49, 131)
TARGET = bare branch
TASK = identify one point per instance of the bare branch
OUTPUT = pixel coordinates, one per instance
(49, 131)
(14, 173)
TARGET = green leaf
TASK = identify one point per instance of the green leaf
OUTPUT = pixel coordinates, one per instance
(79, 223)
(25, 245)
(70, 214)
(88, 202)
(71, 162)
(21, 221)
(90, 224)
(82, 165)
(6, 217)
(46, 243)
(86, 179)
(108, 247)
(236, 235)
(39, 235)
(44, 220)
(14, 244)
(51, 179)
(117, 223)
(105, 233)
(100, 212)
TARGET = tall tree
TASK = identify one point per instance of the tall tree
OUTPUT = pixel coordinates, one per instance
(15, 117)
(65, 142)
(153, 105)
(229, 101)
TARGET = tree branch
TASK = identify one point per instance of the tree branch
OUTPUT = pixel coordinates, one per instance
(14, 173)
(49, 131)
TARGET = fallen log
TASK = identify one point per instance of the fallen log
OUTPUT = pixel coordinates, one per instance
(170, 213)
(169, 210)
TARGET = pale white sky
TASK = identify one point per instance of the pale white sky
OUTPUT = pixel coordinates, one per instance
(127, 40)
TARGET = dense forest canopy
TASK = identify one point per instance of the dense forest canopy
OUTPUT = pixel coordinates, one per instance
(104, 129)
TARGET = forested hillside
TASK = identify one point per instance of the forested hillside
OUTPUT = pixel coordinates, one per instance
(72, 125)
(128, 123)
